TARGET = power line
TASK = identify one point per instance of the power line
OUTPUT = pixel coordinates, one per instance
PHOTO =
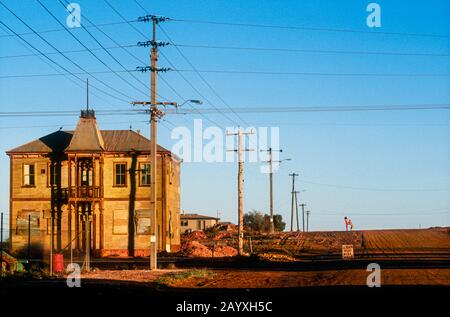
(59, 74)
(63, 29)
(141, 61)
(62, 67)
(123, 48)
(65, 52)
(305, 28)
(392, 107)
(181, 75)
(379, 189)
(203, 79)
(436, 211)
(56, 49)
(92, 53)
(321, 51)
(244, 110)
(243, 72)
(69, 77)
(241, 48)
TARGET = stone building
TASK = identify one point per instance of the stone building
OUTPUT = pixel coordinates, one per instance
(92, 186)
(192, 222)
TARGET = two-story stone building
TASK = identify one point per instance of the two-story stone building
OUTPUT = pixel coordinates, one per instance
(64, 179)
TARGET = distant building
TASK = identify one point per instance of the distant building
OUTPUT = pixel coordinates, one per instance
(103, 176)
(191, 222)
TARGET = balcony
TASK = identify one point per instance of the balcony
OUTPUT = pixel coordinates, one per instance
(85, 192)
(61, 195)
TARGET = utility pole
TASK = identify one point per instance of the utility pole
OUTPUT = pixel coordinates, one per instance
(303, 215)
(240, 152)
(155, 114)
(296, 210)
(271, 161)
(307, 220)
(293, 199)
(1, 245)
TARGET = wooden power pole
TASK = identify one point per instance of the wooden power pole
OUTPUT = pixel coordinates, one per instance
(240, 150)
(271, 161)
(293, 199)
(307, 220)
(303, 215)
(155, 114)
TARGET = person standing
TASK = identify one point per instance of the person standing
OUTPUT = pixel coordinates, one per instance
(348, 223)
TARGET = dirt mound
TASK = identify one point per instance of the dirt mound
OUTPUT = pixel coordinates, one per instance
(194, 236)
(196, 249)
(223, 251)
(224, 234)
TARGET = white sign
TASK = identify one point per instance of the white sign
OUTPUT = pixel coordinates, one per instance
(347, 251)
(152, 238)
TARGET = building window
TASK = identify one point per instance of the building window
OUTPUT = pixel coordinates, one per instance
(184, 223)
(120, 174)
(86, 177)
(28, 175)
(145, 174)
(52, 175)
(200, 224)
(143, 221)
(27, 218)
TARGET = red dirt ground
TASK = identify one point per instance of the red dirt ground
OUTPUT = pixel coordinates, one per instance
(300, 244)
(281, 279)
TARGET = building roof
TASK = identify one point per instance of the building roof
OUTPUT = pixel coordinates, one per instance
(113, 141)
(87, 137)
(196, 217)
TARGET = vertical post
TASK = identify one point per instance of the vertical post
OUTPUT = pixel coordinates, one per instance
(307, 220)
(292, 199)
(1, 244)
(303, 215)
(296, 211)
(240, 200)
(272, 225)
(88, 241)
(153, 145)
(29, 240)
(51, 242)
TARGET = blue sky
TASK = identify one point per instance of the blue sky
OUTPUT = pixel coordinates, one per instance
(385, 169)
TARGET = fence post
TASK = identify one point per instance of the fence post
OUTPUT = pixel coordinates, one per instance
(51, 243)
(1, 245)
(29, 241)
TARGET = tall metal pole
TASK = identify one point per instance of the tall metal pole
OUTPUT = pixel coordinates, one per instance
(307, 220)
(1, 244)
(271, 161)
(51, 242)
(29, 239)
(292, 200)
(272, 225)
(88, 241)
(153, 158)
(296, 211)
(303, 215)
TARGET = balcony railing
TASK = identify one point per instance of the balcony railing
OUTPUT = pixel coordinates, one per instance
(61, 195)
(84, 192)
